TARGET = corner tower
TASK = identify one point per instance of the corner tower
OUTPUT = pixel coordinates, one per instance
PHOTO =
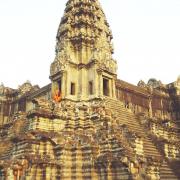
(83, 68)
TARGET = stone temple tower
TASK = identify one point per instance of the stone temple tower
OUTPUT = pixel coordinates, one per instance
(83, 68)
(95, 127)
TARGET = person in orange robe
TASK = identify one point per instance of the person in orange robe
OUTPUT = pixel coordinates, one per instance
(57, 96)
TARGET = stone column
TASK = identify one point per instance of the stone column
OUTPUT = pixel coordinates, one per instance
(114, 88)
(150, 107)
(96, 81)
(83, 84)
(64, 84)
(100, 84)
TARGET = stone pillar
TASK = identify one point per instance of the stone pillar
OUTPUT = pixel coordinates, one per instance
(100, 85)
(83, 82)
(64, 84)
(150, 107)
(96, 84)
(114, 88)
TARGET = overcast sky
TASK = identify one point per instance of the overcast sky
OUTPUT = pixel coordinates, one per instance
(146, 39)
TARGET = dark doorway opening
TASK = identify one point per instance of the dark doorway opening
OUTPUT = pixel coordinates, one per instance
(72, 88)
(59, 86)
(105, 87)
(90, 87)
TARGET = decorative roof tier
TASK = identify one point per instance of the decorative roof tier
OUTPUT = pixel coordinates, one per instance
(83, 32)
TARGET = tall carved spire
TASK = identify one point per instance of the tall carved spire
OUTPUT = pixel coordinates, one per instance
(83, 41)
(83, 30)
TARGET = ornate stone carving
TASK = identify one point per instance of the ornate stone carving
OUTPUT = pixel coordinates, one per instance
(154, 83)
(93, 137)
(60, 62)
(142, 84)
(27, 86)
(2, 88)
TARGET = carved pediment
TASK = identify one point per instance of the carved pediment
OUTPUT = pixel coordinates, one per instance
(27, 86)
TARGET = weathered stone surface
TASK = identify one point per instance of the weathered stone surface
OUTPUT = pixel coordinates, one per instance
(97, 127)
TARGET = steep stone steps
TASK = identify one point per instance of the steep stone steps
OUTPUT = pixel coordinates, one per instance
(125, 116)
(166, 172)
(175, 164)
(130, 120)
(25, 128)
(6, 155)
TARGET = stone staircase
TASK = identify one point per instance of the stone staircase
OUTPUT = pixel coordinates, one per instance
(128, 118)
(166, 172)
(6, 155)
(175, 164)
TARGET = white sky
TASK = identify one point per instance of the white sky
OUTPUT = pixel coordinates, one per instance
(146, 39)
